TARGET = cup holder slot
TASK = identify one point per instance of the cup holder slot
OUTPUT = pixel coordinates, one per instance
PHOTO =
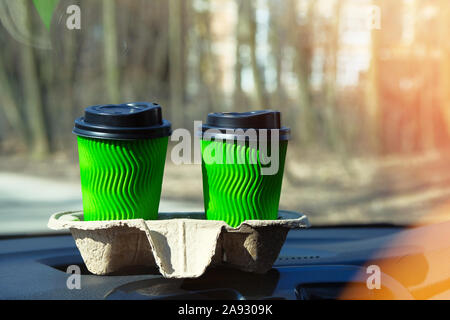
(62, 263)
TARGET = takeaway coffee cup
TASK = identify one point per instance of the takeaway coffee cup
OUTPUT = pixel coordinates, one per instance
(243, 156)
(122, 150)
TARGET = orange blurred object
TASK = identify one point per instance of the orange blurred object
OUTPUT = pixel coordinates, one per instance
(418, 259)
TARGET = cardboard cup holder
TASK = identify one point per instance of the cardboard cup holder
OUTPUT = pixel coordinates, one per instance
(180, 245)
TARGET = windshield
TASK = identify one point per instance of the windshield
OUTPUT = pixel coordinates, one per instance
(363, 85)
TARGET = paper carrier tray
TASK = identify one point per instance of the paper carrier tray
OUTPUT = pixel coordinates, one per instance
(181, 245)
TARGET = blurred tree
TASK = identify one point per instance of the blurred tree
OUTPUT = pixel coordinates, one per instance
(248, 10)
(160, 54)
(171, 52)
(208, 95)
(111, 62)
(301, 40)
(176, 62)
(39, 143)
(334, 136)
(10, 107)
(278, 31)
(372, 91)
(239, 100)
(14, 19)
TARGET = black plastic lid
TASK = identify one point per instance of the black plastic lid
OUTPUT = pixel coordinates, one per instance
(226, 122)
(129, 121)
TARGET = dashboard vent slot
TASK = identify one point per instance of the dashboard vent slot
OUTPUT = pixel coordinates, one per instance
(297, 258)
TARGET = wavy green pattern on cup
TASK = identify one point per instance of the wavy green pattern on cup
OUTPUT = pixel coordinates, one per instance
(237, 192)
(121, 179)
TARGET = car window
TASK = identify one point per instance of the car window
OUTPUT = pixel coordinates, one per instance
(362, 84)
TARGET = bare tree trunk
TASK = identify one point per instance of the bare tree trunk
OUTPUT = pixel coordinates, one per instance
(302, 67)
(68, 77)
(131, 22)
(277, 33)
(238, 93)
(258, 75)
(331, 115)
(33, 100)
(207, 69)
(372, 94)
(110, 51)
(160, 55)
(176, 63)
(10, 107)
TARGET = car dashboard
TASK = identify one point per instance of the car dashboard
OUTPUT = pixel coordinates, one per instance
(317, 263)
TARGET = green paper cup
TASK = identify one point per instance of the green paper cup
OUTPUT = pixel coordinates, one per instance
(122, 151)
(237, 184)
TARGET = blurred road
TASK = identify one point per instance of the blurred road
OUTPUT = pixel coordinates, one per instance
(392, 190)
(26, 203)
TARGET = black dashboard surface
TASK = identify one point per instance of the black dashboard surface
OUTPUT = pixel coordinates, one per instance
(35, 268)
